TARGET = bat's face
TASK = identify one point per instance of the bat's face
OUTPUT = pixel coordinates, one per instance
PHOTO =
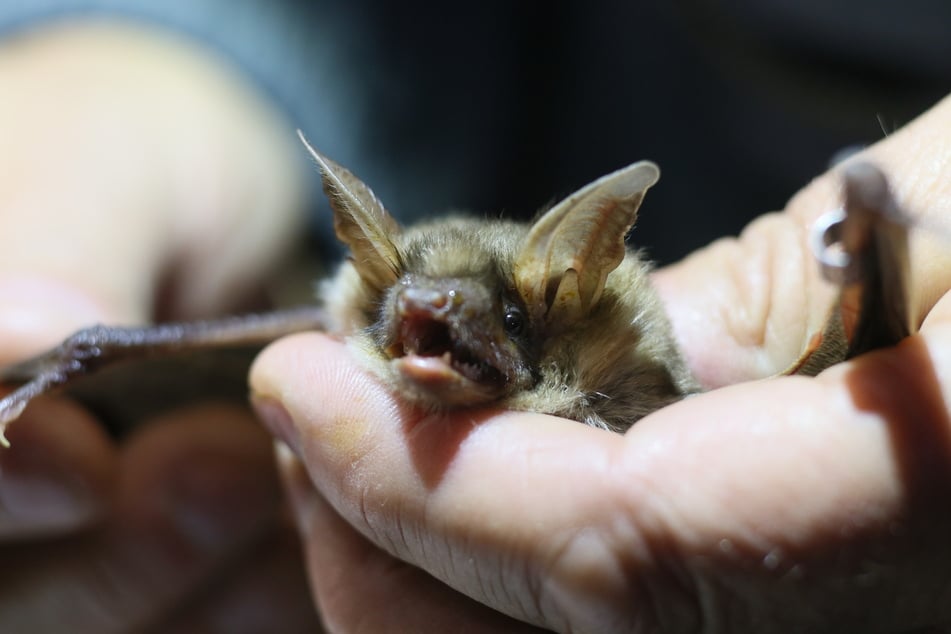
(453, 327)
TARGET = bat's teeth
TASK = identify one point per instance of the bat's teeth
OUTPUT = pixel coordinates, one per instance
(446, 357)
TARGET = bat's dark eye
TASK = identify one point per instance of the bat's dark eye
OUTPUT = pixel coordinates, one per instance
(514, 322)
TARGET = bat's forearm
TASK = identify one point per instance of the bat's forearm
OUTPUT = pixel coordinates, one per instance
(101, 347)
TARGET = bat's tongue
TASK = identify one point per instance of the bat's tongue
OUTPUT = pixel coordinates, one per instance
(435, 372)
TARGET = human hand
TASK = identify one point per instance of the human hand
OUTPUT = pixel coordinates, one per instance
(140, 180)
(789, 504)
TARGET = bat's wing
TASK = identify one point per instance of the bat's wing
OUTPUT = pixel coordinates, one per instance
(564, 261)
(864, 248)
(126, 374)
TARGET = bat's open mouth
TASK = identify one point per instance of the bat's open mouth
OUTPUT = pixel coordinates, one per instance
(431, 350)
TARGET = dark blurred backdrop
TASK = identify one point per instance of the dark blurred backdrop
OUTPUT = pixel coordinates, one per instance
(505, 106)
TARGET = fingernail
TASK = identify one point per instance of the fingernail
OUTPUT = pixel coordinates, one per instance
(217, 500)
(272, 413)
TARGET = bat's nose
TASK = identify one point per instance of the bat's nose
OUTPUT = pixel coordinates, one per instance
(425, 299)
(440, 297)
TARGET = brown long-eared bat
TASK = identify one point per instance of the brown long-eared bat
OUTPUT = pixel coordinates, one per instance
(554, 316)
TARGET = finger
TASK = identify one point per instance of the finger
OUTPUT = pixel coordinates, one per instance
(765, 497)
(58, 474)
(348, 574)
(180, 188)
(197, 493)
(744, 308)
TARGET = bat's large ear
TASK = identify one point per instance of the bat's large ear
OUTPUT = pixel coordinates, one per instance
(360, 222)
(566, 257)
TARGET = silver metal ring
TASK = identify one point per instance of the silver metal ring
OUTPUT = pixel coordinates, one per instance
(825, 238)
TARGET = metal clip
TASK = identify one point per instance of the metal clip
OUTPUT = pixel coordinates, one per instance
(825, 241)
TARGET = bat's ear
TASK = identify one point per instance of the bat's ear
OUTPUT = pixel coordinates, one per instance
(566, 257)
(361, 223)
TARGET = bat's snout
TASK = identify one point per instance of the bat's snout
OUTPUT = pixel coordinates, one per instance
(443, 338)
(442, 299)
(424, 300)
(432, 313)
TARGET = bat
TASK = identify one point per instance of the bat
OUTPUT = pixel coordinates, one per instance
(554, 316)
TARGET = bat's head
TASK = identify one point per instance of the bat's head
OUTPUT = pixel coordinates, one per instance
(462, 310)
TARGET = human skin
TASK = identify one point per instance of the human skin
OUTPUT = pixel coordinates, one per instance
(142, 178)
(786, 504)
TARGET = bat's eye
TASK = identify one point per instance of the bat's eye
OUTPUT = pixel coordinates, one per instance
(514, 322)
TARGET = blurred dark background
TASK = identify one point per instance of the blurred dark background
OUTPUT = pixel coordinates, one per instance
(506, 106)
